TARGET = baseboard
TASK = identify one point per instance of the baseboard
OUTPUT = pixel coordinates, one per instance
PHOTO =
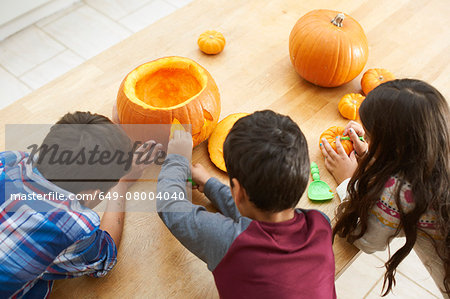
(33, 16)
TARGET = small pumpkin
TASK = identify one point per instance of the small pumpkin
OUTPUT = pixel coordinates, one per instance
(328, 48)
(349, 105)
(374, 77)
(211, 42)
(330, 135)
(160, 91)
(218, 136)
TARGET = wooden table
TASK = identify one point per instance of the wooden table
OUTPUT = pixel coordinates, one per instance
(411, 38)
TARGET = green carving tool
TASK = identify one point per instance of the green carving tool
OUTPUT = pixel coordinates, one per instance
(318, 190)
(348, 138)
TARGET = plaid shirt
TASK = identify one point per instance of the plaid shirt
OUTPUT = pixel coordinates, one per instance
(44, 240)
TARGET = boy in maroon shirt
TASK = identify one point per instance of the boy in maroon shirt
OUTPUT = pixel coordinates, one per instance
(261, 246)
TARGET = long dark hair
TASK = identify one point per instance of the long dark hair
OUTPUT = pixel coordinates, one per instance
(407, 125)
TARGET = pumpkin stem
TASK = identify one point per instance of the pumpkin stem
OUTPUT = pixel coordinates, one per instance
(338, 19)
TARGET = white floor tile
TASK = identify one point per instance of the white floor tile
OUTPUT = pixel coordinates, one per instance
(179, 3)
(51, 69)
(404, 288)
(86, 32)
(26, 49)
(11, 88)
(116, 9)
(59, 14)
(360, 277)
(147, 15)
(412, 267)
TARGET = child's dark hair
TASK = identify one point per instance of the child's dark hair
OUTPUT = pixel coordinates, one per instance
(268, 154)
(407, 125)
(83, 132)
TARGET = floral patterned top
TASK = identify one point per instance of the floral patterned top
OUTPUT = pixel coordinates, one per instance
(387, 212)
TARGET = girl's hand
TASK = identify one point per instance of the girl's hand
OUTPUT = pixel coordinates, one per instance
(355, 126)
(354, 130)
(200, 176)
(338, 163)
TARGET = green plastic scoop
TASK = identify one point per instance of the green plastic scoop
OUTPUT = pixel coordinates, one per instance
(318, 190)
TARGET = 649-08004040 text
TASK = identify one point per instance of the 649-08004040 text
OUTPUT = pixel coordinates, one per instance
(101, 196)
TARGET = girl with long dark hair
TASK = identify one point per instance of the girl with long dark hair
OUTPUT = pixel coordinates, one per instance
(398, 183)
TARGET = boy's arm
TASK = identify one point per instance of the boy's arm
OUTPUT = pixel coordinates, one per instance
(114, 216)
(220, 195)
(207, 235)
(94, 256)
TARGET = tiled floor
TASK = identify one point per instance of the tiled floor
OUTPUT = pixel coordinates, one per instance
(364, 278)
(56, 44)
(60, 42)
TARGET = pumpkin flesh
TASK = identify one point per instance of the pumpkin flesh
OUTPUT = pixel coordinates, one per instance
(167, 87)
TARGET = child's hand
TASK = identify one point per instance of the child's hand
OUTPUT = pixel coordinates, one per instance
(354, 130)
(338, 163)
(200, 176)
(355, 126)
(141, 154)
(181, 144)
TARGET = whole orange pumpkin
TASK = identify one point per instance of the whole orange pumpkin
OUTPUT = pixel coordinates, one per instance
(349, 105)
(328, 48)
(330, 135)
(218, 136)
(160, 91)
(211, 42)
(374, 77)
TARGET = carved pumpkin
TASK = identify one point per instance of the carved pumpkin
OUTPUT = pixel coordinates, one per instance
(374, 77)
(349, 105)
(328, 48)
(160, 91)
(330, 135)
(218, 136)
(211, 42)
